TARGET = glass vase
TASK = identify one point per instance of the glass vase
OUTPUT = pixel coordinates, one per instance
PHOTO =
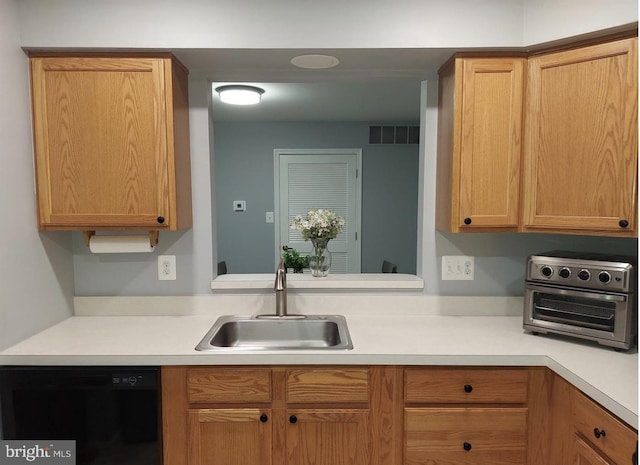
(319, 258)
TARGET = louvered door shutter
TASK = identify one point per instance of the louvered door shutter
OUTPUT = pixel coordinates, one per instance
(321, 181)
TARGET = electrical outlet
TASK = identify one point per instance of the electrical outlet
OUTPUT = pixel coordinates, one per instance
(166, 267)
(457, 267)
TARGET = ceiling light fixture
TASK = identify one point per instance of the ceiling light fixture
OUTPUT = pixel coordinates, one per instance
(240, 94)
(315, 61)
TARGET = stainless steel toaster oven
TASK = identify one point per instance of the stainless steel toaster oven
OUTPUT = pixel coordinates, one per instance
(585, 295)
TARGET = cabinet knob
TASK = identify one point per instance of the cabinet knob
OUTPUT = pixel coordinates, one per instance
(264, 418)
(293, 419)
(466, 446)
(623, 223)
(468, 388)
(598, 433)
(161, 219)
(467, 220)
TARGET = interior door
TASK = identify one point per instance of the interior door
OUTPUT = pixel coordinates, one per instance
(312, 179)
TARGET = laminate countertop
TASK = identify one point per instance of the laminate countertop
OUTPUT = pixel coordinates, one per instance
(609, 377)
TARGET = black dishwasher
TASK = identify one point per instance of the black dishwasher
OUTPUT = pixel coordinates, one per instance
(111, 412)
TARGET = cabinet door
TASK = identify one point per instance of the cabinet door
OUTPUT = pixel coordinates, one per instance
(100, 130)
(327, 437)
(230, 436)
(490, 142)
(583, 454)
(608, 434)
(479, 144)
(465, 436)
(581, 141)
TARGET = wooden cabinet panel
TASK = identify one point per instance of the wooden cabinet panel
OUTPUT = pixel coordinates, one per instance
(467, 436)
(466, 385)
(581, 149)
(328, 437)
(585, 455)
(327, 385)
(230, 437)
(479, 144)
(111, 152)
(613, 438)
(228, 385)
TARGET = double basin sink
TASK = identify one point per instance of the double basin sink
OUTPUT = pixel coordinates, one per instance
(270, 332)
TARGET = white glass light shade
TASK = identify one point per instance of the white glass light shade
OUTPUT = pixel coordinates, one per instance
(240, 95)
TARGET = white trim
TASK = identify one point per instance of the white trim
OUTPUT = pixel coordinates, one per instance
(276, 184)
(344, 281)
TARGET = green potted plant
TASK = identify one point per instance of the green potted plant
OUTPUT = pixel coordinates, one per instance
(293, 260)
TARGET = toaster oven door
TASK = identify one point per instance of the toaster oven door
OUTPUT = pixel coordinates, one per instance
(603, 317)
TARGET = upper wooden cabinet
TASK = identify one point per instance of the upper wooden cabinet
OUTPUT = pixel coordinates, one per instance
(479, 144)
(571, 170)
(111, 142)
(581, 147)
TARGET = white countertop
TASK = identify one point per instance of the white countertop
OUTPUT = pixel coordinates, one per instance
(609, 377)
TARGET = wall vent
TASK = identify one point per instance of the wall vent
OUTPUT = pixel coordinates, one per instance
(391, 135)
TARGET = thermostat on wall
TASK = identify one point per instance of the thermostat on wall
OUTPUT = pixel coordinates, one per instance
(239, 205)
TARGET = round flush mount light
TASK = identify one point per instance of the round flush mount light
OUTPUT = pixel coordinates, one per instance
(315, 61)
(240, 94)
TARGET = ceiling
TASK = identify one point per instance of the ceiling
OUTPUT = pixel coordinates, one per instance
(368, 84)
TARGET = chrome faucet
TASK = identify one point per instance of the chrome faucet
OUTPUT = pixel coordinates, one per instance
(280, 286)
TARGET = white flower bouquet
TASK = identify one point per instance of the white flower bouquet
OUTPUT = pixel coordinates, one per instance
(319, 224)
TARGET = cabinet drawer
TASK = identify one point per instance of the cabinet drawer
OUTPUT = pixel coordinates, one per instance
(466, 385)
(229, 385)
(465, 436)
(618, 441)
(327, 385)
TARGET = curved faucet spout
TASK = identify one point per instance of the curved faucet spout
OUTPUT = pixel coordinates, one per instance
(281, 277)
(280, 286)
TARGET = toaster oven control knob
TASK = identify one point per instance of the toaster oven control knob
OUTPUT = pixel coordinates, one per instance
(604, 277)
(546, 271)
(584, 275)
(564, 272)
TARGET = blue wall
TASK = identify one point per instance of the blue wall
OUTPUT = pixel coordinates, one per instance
(243, 158)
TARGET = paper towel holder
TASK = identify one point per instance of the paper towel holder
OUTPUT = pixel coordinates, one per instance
(153, 237)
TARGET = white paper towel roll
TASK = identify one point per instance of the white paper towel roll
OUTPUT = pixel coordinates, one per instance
(120, 244)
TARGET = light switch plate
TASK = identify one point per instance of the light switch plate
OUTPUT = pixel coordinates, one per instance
(269, 217)
(457, 267)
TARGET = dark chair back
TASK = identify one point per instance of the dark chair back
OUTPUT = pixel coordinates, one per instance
(388, 267)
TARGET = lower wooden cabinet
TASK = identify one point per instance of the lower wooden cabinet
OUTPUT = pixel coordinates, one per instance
(230, 436)
(327, 437)
(465, 415)
(599, 435)
(384, 415)
(279, 415)
(454, 436)
(584, 454)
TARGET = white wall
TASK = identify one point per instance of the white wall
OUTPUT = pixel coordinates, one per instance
(548, 20)
(311, 24)
(271, 24)
(314, 24)
(137, 274)
(36, 278)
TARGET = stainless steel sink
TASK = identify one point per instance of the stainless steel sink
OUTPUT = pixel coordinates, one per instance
(294, 332)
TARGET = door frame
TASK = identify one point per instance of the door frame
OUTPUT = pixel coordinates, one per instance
(276, 190)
